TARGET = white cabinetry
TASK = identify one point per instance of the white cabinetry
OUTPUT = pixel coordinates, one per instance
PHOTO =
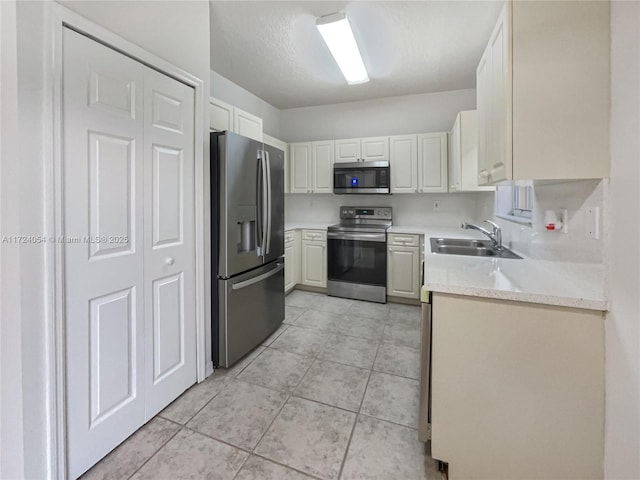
(432, 162)
(220, 115)
(226, 117)
(247, 124)
(300, 167)
(362, 149)
(291, 259)
(463, 154)
(539, 366)
(403, 265)
(556, 129)
(284, 146)
(314, 258)
(322, 167)
(403, 161)
(418, 163)
(311, 167)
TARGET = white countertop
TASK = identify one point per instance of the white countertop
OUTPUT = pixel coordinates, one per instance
(578, 285)
(307, 226)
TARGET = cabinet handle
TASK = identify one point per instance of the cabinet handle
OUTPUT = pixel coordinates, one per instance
(169, 261)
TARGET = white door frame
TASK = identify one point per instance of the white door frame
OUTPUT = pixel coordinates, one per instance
(54, 271)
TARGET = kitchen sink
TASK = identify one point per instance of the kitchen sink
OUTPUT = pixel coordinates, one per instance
(474, 248)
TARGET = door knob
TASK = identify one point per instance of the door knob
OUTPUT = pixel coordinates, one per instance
(169, 261)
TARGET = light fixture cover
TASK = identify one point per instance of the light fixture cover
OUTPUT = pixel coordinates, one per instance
(336, 33)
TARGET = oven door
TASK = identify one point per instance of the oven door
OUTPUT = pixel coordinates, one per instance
(358, 258)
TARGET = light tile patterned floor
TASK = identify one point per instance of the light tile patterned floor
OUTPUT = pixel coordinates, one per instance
(333, 394)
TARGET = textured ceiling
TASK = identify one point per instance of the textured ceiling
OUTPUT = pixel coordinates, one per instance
(274, 50)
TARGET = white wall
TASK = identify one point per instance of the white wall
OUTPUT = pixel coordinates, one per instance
(574, 246)
(622, 326)
(433, 112)
(230, 92)
(11, 418)
(408, 210)
(173, 30)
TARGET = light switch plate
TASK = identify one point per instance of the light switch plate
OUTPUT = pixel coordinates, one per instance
(592, 222)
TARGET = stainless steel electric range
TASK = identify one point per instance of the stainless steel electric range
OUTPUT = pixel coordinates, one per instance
(357, 254)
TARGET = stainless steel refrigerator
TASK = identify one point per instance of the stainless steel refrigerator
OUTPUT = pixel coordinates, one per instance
(247, 244)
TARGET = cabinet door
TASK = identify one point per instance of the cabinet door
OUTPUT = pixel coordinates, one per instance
(403, 272)
(220, 115)
(300, 167)
(284, 146)
(483, 101)
(347, 150)
(432, 162)
(289, 266)
(374, 149)
(499, 125)
(314, 263)
(455, 173)
(246, 124)
(467, 145)
(403, 161)
(322, 171)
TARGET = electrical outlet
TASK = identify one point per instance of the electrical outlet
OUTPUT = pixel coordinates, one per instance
(436, 205)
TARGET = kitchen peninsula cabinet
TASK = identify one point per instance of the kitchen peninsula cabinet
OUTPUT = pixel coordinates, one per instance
(517, 389)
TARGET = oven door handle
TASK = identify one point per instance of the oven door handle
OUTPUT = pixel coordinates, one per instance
(364, 237)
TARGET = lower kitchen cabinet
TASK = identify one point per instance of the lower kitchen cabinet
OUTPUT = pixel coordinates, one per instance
(403, 265)
(314, 258)
(291, 259)
(517, 389)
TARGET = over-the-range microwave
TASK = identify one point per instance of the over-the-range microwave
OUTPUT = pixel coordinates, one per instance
(361, 178)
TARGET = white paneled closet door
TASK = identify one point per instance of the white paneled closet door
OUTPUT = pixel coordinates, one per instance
(129, 253)
(169, 254)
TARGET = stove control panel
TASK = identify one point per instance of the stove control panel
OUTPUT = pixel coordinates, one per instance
(371, 213)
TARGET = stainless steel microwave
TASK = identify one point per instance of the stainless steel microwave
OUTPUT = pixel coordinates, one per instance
(361, 178)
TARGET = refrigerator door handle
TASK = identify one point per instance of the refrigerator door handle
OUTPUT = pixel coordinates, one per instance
(259, 278)
(265, 203)
(269, 202)
(259, 207)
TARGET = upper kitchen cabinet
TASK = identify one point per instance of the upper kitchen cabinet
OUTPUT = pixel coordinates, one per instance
(300, 167)
(311, 167)
(226, 117)
(362, 149)
(403, 162)
(322, 166)
(284, 146)
(543, 93)
(463, 154)
(432, 162)
(418, 163)
(246, 124)
(220, 115)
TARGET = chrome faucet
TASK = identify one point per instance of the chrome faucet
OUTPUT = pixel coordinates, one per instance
(495, 235)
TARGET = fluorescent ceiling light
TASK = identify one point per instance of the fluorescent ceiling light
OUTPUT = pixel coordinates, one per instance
(337, 34)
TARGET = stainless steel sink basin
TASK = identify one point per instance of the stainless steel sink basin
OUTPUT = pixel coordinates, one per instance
(474, 248)
(460, 242)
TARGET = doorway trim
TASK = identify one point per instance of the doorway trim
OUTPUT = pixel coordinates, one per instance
(61, 17)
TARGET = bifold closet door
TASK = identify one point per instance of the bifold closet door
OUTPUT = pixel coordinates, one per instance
(129, 253)
(169, 253)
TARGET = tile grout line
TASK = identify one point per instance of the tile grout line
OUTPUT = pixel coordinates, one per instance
(355, 421)
(158, 450)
